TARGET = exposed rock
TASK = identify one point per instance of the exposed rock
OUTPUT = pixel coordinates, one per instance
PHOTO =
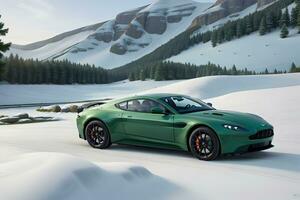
(156, 24)
(261, 3)
(24, 121)
(72, 108)
(174, 18)
(104, 36)
(118, 49)
(228, 7)
(43, 119)
(55, 108)
(232, 6)
(142, 18)
(127, 17)
(10, 120)
(22, 116)
(134, 31)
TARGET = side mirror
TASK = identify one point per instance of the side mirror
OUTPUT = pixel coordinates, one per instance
(157, 110)
(210, 104)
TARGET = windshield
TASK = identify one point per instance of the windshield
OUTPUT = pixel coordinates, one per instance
(186, 105)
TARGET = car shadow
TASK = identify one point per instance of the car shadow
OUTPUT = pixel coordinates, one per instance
(150, 150)
(266, 159)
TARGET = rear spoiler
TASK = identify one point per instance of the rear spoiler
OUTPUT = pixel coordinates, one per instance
(89, 105)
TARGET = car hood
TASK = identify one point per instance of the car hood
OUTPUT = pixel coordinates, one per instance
(245, 120)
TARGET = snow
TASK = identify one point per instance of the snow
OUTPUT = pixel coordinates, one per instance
(205, 87)
(213, 86)
(254, 52)
(52, 48)
(272, 174)
(73, 178)
(221, 22)
(23, 94)
(100, 54)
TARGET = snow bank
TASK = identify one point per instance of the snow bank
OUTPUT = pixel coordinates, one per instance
(50, 176)
(213, 86)
(21, 94)
(254, 52)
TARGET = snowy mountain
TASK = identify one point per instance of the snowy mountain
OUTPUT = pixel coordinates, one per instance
(137, 33)
(131, 35)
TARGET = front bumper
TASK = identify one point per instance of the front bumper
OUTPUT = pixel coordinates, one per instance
(243, 143)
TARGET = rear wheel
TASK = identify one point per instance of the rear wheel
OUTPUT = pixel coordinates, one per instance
(204, 144)
(97, 135)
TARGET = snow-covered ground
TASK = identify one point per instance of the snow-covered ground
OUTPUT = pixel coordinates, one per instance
(254, 52)
(206, 87)
(273, 174)
(22, 94)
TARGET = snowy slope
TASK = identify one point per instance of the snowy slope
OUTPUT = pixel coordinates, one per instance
(129, 36)
(20, 94)
(100, 52)
(206, 87)
(213, 86)
(272, 174)
(52, 48)
(254, 52)
(73, 178)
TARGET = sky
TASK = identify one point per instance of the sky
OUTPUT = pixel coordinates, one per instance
(34, 20)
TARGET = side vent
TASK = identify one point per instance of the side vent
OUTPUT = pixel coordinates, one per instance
(218, 114)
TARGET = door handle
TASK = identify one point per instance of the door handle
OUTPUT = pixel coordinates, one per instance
(129, 116)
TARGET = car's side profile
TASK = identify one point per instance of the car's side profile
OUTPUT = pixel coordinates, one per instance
(175, 122)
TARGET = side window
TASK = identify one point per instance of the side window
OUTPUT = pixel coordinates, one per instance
(123, 105)
(142, 105)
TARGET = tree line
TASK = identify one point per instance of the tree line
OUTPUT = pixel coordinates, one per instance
(168, 70)
(29, 71)
(229, 31)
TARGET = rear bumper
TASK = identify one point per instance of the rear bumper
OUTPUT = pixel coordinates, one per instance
(79, 123)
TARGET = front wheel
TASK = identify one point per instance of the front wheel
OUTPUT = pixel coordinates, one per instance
(97, 135)
(204, 144)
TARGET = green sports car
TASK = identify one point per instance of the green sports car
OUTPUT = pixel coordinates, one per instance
(175, 122)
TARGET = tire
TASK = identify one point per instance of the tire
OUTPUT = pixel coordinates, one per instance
(97, 135)
(204, 144)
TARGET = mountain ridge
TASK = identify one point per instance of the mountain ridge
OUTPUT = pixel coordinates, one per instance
(138, 32)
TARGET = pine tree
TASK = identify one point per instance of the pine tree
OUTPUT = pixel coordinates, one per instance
(214, 38)
(298, 21)
(131, 76)
(269, 22)
(143, 75)
(239, 31)
(279, 16)
(262, 27)
(234, 70)
(3, 47)
(159, 73)
(294, 16)
(284, 31)
(293, 68)
(266, 71)
(285, 18)
(249, 25)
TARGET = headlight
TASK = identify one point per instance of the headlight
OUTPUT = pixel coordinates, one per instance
(233, 127)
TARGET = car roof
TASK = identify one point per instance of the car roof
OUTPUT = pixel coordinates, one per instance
(153, 96)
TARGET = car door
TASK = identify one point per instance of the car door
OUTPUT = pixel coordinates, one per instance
(141, 123)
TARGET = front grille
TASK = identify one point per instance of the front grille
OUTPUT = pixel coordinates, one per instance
(262, 134)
